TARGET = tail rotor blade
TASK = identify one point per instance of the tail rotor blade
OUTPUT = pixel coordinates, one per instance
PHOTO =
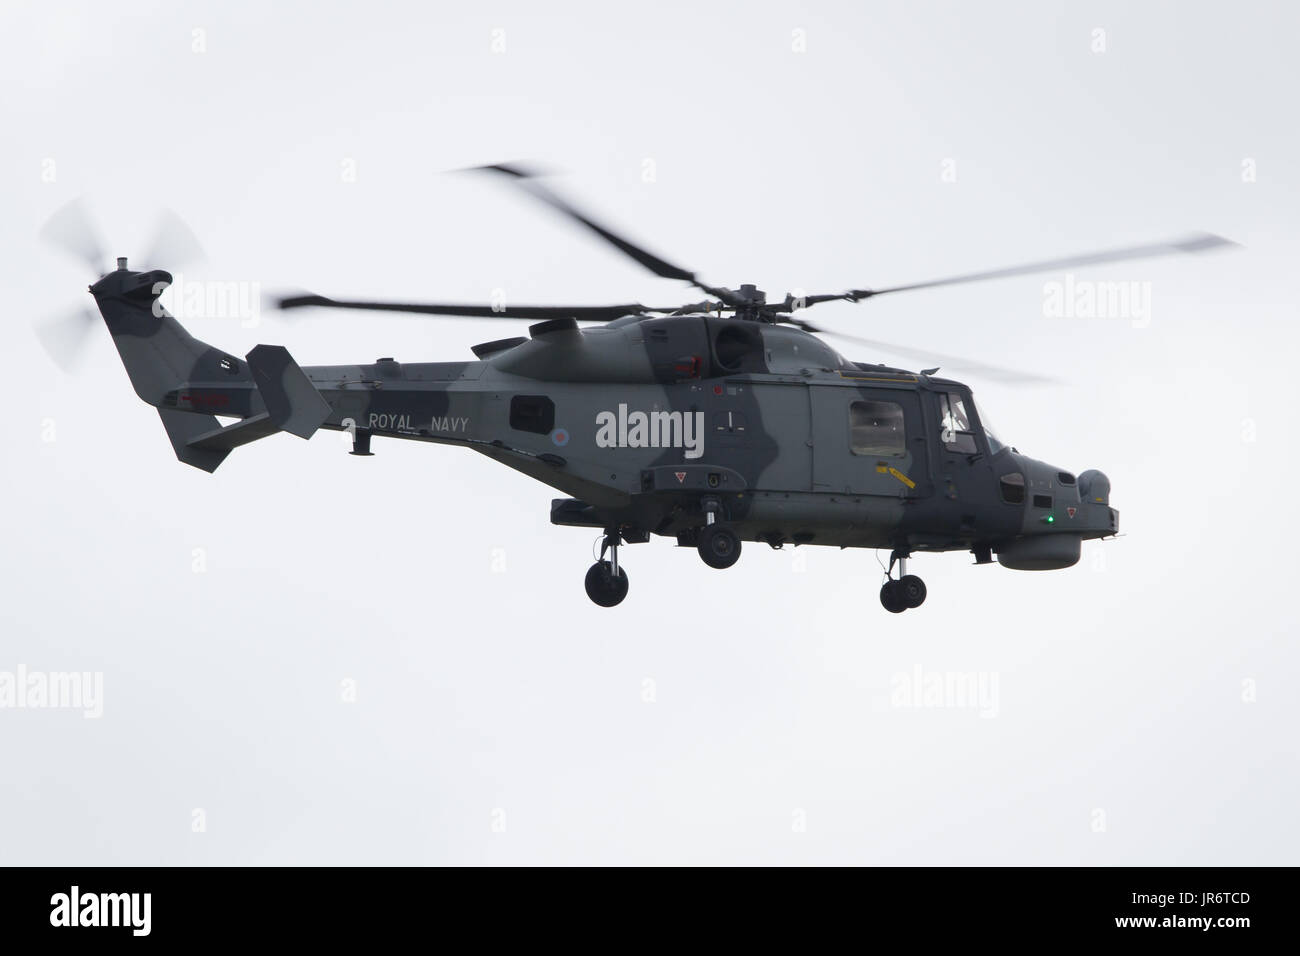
(73, 231)
(64, 337)
(174, 244)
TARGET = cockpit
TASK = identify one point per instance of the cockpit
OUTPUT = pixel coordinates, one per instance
(957, 427)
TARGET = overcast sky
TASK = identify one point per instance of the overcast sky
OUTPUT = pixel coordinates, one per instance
(313, 658)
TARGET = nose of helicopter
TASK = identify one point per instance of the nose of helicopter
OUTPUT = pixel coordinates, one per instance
(1061, 511)
(1100, 520)
(1059, 502)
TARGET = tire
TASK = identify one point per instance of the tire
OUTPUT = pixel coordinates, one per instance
(912, 589)
(892, 598)
(719, 546)
(603, 588)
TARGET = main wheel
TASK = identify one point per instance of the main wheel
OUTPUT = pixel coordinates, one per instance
(602, 587)
(719, 546)
(912, 589)
(892, 598)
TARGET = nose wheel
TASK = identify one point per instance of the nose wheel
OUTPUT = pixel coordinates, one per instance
(604, 587)
(719, 546)
(606, 582)
(905, 591)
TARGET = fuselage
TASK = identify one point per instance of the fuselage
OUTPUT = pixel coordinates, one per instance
(640, 419)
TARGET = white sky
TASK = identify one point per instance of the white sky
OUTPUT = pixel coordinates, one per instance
(487, 696)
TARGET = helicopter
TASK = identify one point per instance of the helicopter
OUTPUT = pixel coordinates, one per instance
(714, 423)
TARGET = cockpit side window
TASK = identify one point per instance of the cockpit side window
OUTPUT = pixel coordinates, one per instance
(955, 429)
(1013, 488)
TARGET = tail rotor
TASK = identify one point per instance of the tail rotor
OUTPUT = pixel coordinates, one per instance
(72, 231)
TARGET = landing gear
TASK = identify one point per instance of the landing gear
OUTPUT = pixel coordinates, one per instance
(606, 582)
(604, 587)
(912, 589)
(891, 597)
(719, 546)
(907, 590)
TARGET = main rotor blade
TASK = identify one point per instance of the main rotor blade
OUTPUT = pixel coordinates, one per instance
(527, 179)
(72, 230)
(956, 363)
(1194, 243)
(174, 244)
(583, 313)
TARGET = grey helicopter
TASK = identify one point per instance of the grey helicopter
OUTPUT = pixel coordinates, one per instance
(719, 422)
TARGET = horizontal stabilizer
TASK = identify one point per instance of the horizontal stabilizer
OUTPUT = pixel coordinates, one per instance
(292, 401)
(232, 436)
(183, 428)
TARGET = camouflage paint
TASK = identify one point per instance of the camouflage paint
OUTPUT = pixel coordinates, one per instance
(774, 401)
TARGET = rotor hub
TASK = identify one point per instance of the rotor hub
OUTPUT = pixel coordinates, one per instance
(750, 302)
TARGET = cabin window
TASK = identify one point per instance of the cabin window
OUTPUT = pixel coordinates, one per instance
(876, 429)
(532, 413)
(954, 424)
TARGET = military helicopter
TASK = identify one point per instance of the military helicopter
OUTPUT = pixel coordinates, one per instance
(714, 423)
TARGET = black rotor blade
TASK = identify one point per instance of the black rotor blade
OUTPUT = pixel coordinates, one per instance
(956, 363)
(697, 307)
(527, 180)
(793, 302)
(72, 230)
(1194, 243)
(583, 313)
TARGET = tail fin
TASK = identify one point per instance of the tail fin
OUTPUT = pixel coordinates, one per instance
(187, 379)
(292, 401)
(158, 353)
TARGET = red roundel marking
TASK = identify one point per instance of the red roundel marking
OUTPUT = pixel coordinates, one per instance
(717, 389)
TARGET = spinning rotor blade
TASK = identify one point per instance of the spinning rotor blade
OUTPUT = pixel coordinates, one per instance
(526, 179)
(583, 313)
(1194, 243)
(174, 244)
(73, 231)
(992, 372)
(64, 337)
